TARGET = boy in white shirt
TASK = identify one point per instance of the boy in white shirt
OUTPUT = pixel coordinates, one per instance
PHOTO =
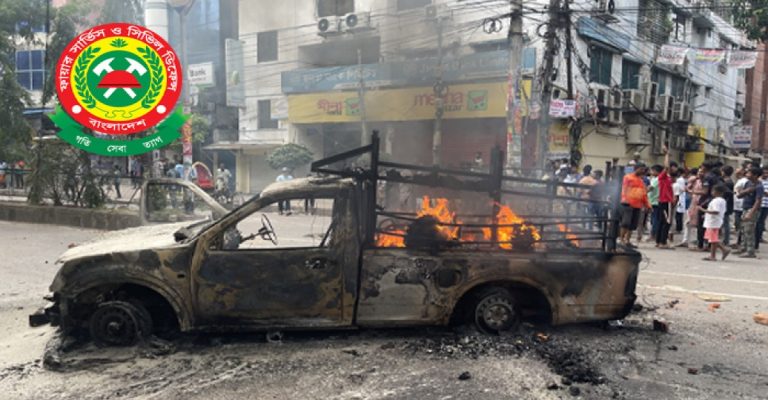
(713, 221)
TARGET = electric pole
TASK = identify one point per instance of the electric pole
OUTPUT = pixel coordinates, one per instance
(515, 43)
(439, 92)
(361, 95)
(550, 51)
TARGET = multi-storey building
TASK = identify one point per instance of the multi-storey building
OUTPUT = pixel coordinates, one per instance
(318, 75)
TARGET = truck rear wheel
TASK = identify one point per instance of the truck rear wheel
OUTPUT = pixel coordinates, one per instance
(496, 311)
(120, 323)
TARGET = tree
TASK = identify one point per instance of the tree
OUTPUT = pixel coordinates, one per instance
(18, 20)
(289, 156)
(130, 11)
(751, 16)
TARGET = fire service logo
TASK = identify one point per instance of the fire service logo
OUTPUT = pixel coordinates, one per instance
(117, 80)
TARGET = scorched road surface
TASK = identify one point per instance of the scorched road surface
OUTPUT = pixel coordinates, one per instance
(717, 354)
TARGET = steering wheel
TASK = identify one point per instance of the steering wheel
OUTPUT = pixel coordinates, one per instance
(267, 232)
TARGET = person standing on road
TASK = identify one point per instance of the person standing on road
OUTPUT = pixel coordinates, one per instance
(727, 174)
(714, 216)
(653, 198)
(116, 180)
(678, 191)
(3, 167)
(738, 208)
(284, 206)
(634, 199)
(752, 196)
(763, 210)
(665, 202)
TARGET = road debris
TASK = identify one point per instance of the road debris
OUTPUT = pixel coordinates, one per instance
(465, 376)
(660, 326)
(673, 303)
(672, 348)
(693, 371)
(574, 391)
(713, 297)
(761, 318)
(713, 306)
(542, 337)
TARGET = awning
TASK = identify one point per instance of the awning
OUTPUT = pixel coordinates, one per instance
(598, 31)
(239, 146)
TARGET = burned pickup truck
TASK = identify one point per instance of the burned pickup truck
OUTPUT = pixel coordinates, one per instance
(381, 245)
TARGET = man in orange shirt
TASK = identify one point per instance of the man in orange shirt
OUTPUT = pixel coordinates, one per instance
(634, 198)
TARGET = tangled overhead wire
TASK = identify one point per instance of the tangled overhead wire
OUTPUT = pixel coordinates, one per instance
(492, 25)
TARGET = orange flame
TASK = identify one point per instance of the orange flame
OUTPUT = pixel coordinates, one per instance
(568, 234)
(522, 233)
(506, 234)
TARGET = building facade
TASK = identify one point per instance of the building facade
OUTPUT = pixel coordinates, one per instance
(432, 76)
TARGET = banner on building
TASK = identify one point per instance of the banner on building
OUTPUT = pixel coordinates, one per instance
(409, 104)
(742, 59)
(558, 140)
(233, 50)
(742, 137)
(562, 108)
(709, 56)
(672, 55)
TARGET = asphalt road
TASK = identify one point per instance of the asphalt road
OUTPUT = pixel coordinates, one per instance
(707, 354)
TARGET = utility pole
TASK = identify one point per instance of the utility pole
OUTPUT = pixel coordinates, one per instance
(439, 92)
(550, 51)
(515, 44)
(361, 96)
(566, 16)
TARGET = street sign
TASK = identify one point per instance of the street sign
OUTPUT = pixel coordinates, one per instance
(742, 137)
(200, 75)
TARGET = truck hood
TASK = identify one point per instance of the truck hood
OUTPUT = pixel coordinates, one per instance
(133, 239)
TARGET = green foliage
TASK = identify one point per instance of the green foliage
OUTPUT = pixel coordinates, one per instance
(751, 16)
(130, 11)
(289, 156)
(64, 176)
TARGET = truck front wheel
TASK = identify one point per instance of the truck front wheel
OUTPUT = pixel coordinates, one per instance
(495, 311)
(120, 323)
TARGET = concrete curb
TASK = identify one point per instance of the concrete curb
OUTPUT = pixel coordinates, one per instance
(69, 216)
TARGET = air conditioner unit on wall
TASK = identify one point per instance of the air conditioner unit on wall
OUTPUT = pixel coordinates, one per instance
(638, 134)
(681, 112)
(665, 106)
(617, 102)
(650, 93)
(633, 98)
(328, 26)
(357, 21)
(433, 11)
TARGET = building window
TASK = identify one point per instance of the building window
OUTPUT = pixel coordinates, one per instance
(661, 80)
(679, 27)
(600, 66)
(265, 115)
(411, 4)
(30, 69)
(678, 88)
(630, 75)
(266, 46)
(329, 8)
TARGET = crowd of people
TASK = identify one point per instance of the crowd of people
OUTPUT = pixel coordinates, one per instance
(12, 174)
(711, 208)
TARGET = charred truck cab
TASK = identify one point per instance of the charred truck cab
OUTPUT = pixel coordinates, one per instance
(383, 259)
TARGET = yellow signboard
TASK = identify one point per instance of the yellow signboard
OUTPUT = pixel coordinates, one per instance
(486, 100)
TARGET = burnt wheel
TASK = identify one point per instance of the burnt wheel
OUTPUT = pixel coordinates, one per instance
(495, 311)
(120, 323)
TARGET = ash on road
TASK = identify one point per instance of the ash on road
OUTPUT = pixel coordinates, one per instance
(709, 353)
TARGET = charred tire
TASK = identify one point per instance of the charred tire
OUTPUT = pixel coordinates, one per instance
(495, 311)
(120, 323)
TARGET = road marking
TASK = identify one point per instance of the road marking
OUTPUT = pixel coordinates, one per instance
(705, 277)
(684, 290)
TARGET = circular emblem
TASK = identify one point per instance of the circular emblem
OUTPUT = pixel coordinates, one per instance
(118, 79)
